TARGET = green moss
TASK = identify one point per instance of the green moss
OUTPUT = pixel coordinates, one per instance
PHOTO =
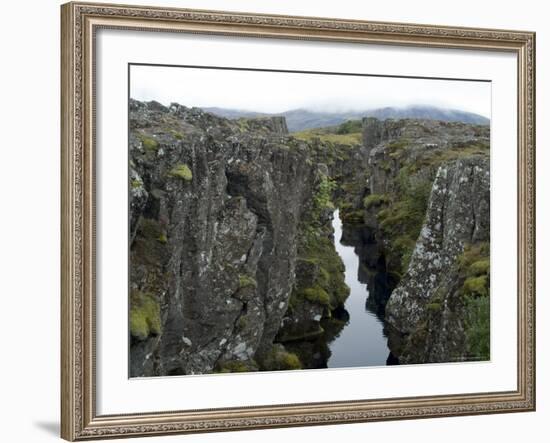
(332, 138)
(278, 359)
(176, 134)
(182, 171)
(144, 315)
(136, 184)
(473, 253)
(480, 267)
(476, 286)
(316, 294)
(291, 361)
(474, 268)
(374, 200)
(150, 228)
(319, 250)
(149, 247)
(229, 366)
(246, 281)
(433, 307)
(243, 124)
(149, 143)
(162, 238)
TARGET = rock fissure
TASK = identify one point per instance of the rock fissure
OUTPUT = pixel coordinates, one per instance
(232, 246)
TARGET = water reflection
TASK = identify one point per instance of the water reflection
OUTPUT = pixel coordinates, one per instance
(356, 334)
(361, 342)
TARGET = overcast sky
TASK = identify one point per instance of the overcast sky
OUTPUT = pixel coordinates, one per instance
(274, 92)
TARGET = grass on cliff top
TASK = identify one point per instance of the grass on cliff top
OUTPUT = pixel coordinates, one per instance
(434, 158)
(342, 139)
(347, 133)
(350, 127)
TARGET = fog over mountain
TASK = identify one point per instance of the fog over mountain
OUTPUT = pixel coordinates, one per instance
(301, 119)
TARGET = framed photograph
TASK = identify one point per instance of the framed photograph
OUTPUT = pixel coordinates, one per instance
(281, 221)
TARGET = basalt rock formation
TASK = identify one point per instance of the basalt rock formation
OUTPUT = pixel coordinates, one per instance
(217, 209)
(430, 304)
(428, 204)
(232, 258)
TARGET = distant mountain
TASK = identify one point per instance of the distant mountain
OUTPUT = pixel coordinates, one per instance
(429, 113)
(235, 113)
(301, 119)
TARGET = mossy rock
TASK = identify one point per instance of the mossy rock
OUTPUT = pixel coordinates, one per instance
(317, 295)
(278, 359)
(149, 143)
(144, 315)
(476, 286)
(231, 366)
(473, 253)
(246, 281)
(474, 267)
(182, 172)
(480, 267)
(328, 281)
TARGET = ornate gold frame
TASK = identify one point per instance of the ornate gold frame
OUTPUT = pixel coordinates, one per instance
(79, 420)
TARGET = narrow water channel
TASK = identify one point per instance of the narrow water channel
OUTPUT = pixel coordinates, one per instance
(362, 341)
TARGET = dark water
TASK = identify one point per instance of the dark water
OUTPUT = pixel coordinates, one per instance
(362, 341)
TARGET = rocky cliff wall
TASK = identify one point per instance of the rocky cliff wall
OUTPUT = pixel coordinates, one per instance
(427, 204)
(430, 305)
(215, 209)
